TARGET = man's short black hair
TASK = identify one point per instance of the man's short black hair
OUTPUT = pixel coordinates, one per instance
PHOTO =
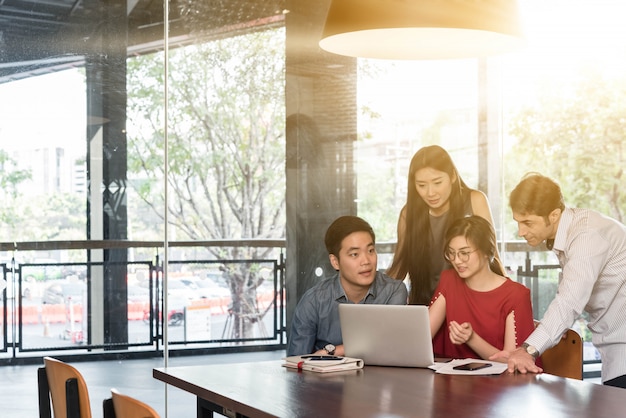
(341, 228)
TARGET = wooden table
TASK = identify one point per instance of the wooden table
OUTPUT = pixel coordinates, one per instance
(265, 389)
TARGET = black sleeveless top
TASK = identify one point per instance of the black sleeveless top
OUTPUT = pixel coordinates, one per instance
(437, 232)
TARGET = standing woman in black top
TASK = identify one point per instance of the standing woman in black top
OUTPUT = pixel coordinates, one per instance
(436, 197)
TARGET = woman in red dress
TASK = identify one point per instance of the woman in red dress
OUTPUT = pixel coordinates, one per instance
(484, 311)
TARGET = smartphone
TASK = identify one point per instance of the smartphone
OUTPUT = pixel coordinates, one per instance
(472, 366)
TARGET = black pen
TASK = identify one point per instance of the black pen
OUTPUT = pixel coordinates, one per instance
(315, 357)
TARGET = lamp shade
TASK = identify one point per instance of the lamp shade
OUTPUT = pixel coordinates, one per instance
(421, 29)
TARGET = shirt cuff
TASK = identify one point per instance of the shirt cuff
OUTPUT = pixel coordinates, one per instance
(539, 339)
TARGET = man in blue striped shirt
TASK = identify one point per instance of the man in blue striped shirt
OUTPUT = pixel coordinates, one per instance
(591, 249)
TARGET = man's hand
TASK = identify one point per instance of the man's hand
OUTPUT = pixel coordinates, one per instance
(518, 360)
(339, 351)
(460, 333)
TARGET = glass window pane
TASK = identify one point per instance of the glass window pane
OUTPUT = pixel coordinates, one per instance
(563, 107)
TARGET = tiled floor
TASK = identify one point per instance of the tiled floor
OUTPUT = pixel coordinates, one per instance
(18, 384)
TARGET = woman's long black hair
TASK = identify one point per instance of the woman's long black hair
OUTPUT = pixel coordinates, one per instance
(414, 256)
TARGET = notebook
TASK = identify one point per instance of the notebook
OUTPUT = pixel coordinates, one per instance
(387, 335)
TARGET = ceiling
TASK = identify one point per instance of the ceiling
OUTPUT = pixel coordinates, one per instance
(41, 36)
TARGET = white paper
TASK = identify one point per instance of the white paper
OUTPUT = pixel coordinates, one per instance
(448, 368)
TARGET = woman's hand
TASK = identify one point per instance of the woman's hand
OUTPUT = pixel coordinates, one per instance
(460, 333)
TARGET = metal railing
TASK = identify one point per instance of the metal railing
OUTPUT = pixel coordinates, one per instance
(56, 307)
(208, 322)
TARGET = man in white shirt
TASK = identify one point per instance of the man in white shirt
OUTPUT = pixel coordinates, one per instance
(591, 249)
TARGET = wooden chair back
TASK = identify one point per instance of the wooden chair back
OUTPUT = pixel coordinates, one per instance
(68, 390)
(566, 358)
(128, 407)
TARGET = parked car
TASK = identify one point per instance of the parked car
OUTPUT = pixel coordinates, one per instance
(42, 269)
(176, 288)
(176, 311)
(138, 294)
(217, 277)
(206, 288)
(60, 292)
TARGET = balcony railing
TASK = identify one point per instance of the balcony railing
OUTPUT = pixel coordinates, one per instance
(212, 304)
(223, 317)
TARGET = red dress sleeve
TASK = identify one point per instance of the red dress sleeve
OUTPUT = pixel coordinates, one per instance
(521, 305)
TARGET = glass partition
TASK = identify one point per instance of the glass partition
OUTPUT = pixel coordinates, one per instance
(140, 164)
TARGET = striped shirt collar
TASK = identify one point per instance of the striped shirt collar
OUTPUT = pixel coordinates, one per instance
(561, 231)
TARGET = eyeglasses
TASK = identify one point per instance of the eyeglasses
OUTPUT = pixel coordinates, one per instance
(463, 255)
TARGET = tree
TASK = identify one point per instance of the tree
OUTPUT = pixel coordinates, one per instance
(21, 216)
(226, 124)
(54, 216)
(10, 179)
(579, 140)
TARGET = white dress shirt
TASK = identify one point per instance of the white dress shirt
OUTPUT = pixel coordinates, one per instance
(591, 249)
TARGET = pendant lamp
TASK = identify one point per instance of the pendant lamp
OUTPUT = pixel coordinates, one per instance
(421, 29)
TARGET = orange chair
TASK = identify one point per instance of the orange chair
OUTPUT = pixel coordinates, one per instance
(65, 387)
(566, 358)
(123, 406)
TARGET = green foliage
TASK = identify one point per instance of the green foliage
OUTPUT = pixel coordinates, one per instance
(10, 179)
(64, 215)
(576, 136)
(10, 176)
(376, 203)
(226, 145)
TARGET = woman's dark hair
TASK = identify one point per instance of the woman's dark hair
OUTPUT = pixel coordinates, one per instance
(414, 256)
(480, 233)
(341, 228)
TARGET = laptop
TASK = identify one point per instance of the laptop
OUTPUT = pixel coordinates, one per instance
(387, 335)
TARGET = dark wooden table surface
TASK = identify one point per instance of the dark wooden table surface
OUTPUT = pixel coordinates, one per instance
(266, 389)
